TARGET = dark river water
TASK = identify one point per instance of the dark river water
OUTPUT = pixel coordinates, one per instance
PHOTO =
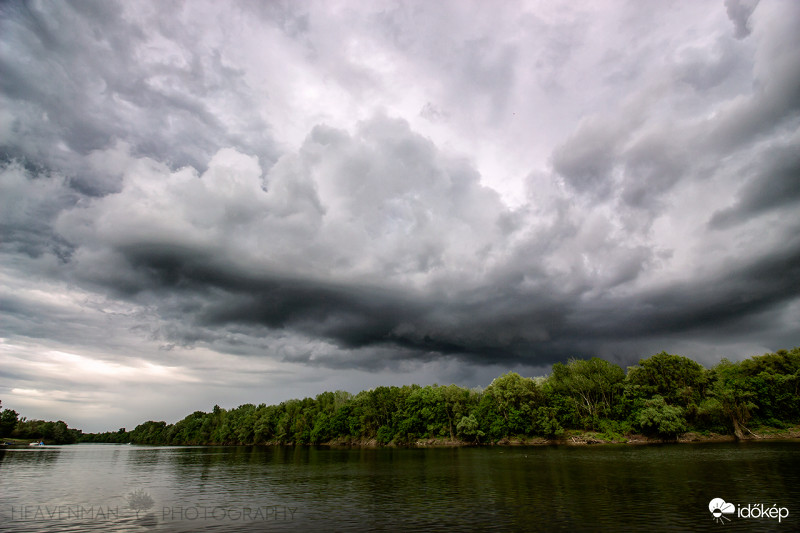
(590, 488)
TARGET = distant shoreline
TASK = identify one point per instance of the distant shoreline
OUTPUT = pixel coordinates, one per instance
(575, 438)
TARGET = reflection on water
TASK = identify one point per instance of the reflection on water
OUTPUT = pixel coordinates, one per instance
(615, 488)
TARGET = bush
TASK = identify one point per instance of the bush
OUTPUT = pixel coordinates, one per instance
(385, 435)
(468, 428)
(546, 424)
(614, 429)
(659, 418)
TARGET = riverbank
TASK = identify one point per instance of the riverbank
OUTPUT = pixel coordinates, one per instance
(18, 442)
(577, 438)
(568, 438)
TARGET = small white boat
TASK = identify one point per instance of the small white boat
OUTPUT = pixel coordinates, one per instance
(40, 443)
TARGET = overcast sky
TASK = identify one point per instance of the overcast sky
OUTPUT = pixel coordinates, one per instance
(228, 202)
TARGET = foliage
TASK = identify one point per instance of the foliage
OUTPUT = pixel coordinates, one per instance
(469, 429)
(50, 432)
(593, 385)
(8, 421)
(546, 422)
(733, 391)
(677, 379)
(659, 418)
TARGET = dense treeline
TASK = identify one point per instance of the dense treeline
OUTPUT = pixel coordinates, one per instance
(663, 396)
(12, 426)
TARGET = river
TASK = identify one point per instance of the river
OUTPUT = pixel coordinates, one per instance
(568, 488)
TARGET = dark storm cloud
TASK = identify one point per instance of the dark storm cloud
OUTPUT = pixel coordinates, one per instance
(518, 309)
(774, 103)
(739, 12)
(729, 302)
(643, 154)
(586, 159)
(28, 207)
(77, 76)
(775, 184)
(387, 177)
(482, 327)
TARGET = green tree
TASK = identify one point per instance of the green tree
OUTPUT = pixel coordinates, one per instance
(321, 432)
(593, 385)
(8, 421)
(774, 380)
(733, 395)
(455, 400)
(512, 401)
(546, 422)
(265, 425)
(469, 429)
(149, 432)
(659, 418)
(426, 407)
(678, 379)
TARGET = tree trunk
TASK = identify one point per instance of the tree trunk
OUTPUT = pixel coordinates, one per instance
(737, 430)
(450, 425)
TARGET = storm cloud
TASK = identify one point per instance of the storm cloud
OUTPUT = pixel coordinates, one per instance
(257, 201)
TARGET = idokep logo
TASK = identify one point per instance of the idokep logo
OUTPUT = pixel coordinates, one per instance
(719, 508)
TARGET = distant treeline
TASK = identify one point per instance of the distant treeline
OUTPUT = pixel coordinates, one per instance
(663, 396)
(12, 426)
